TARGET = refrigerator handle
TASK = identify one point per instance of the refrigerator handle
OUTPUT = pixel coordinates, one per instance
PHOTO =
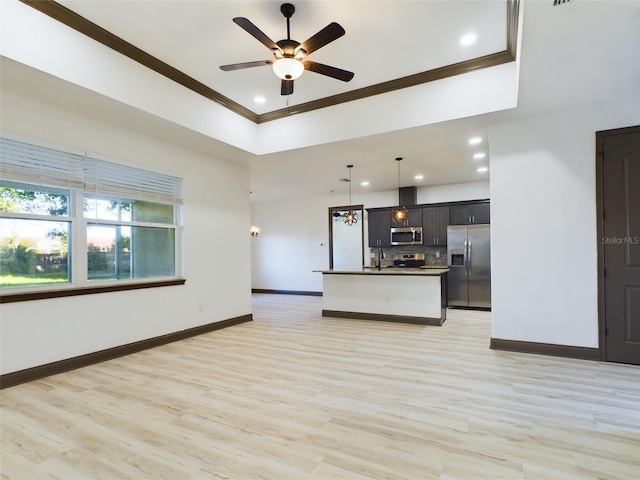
(469, 254)
(466, 258)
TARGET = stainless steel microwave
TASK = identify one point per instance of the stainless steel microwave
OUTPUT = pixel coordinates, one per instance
(406, 236)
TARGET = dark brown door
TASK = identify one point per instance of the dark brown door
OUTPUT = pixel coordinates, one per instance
(620, 177)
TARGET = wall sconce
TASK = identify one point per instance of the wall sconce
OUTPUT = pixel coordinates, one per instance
(254, 231)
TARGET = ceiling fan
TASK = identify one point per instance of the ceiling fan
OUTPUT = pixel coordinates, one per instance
(290, 56)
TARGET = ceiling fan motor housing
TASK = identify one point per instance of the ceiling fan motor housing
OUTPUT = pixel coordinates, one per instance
(288, 48)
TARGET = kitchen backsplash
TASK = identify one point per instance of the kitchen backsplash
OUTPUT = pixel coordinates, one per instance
(431, 254)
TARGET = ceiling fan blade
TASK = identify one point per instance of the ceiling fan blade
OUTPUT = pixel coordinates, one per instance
(328, 34)
(286, 87)
(332, 72)
(239, 66)
(258, 34)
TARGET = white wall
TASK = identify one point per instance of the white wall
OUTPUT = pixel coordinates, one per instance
(543, 224)
(454, 192)
(294, 238)
(293, 241)
(216, 226)
(473, 93)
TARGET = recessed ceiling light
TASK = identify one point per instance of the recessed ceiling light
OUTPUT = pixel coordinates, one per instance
(483, 169)
(259, 99)
(468, 39)
(418, 177)
(364, 184)
(475, 141)
(479, 156)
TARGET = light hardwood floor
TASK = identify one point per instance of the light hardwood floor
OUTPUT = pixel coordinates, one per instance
(296, 396)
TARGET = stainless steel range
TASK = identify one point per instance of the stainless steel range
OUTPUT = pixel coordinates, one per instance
(408, 260)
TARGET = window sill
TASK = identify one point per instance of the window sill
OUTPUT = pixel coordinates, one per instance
(72, 292)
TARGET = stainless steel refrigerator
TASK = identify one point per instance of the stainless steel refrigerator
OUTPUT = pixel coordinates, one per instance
(469, 259)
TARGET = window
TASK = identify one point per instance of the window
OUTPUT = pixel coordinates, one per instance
(129, 239)
(76, 221)
(34, 236)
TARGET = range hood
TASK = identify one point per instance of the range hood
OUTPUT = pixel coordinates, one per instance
(408, 196)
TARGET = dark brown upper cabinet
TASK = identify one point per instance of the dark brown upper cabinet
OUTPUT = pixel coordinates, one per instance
(414, 218)
(434, 226)
(469, 214)
(433, 218)
(379, 228)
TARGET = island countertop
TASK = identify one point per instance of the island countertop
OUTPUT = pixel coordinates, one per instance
(408, 295)
(388, 271)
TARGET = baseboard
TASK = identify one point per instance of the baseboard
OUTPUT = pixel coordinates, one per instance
(41, 371)
(478, 309)
(583, 353)
(287, 292)
(385, 318)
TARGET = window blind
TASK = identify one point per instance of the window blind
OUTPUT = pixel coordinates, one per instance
(26, 163)
(113, 180)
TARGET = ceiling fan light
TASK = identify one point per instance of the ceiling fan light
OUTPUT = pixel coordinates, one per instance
(288, 68)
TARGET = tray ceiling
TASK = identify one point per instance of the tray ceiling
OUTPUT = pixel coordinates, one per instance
(409, 38)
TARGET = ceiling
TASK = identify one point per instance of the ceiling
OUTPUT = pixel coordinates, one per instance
(567, 55)
(197, 37)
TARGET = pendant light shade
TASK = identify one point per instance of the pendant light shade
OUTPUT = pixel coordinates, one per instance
(399, 213)
(350, 217)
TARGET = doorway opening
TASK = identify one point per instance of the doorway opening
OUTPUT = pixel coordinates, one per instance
(346, 242)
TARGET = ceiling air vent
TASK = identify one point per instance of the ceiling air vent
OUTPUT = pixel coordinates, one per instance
(560, 2)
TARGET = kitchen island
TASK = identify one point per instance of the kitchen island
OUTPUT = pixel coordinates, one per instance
(408, 295)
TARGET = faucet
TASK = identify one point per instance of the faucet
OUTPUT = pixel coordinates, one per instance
(379, 258)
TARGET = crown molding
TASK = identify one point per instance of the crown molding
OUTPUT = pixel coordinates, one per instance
(99, 34)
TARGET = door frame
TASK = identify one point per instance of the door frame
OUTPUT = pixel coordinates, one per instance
(360, 221)
(600, 135)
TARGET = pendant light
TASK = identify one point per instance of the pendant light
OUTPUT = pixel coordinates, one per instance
(399, 213)
(350, 217)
